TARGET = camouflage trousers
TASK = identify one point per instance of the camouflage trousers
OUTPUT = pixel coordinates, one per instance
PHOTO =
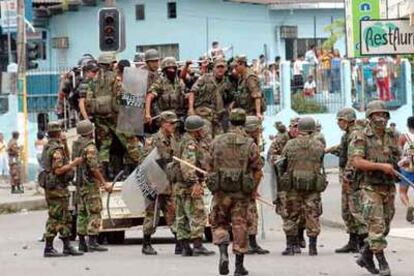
(59, 219)
(282, 210)
(351, 207)
(89, 218)
(252, 218)
(106, 132)
(378, 210)
(166, 204)
(190, 216)
(15, 174)
(300, 203)
(228, 210)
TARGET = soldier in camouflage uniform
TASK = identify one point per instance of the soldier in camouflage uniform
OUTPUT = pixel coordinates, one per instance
(165, 142)
(58, 171)
(152, 64)
(88, 179)
(374, 152)
(253, 129)
(169, 93)
(249, 94)
(14, 150)
(236, 172)
(274, 154)
(351, 196)
(206, 97)
(190, 213)
(304, 182)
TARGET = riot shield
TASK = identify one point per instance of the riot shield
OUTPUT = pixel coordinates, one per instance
(132, 102)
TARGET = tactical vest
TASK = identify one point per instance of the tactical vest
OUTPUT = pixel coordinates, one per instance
(82, 174)
(173, 97)
(376, 152)
(99, 98)
(230, 162)
(305, 165)
(210, 94)
(243, 97)
(47, 179)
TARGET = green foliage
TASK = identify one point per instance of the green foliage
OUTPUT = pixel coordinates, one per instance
(304, 105)
(337, 31)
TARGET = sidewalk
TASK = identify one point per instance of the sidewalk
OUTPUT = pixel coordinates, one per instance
(30, 200)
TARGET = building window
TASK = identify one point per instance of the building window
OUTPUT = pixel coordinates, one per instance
(140, 12)
(172, 10)
(165, 50)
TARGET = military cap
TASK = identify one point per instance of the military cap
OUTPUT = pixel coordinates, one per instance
(168, 62)
(219, 62)
(306, 124)
(106, 58)
(294, 121)
(347, 114)
(193, 123)
(252, 124)
(151, 55)
(168, 116)
(53, 127)
(238, 115)
(84, 60)
(375, 107)
(241, 58)
(84, 127)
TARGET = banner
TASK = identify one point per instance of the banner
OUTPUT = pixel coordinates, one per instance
(387, 37)
(357, 10)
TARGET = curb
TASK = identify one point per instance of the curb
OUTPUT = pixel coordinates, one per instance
(29, 205)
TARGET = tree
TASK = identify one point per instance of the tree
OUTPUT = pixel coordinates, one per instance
(337, 31)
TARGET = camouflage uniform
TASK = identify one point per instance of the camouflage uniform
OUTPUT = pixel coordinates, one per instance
(303, 196)
(233, 156)
(13, 151)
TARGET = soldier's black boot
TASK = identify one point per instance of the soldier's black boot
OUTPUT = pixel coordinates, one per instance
(93, 244)
(290, 241)
(199, 249)
(224, 260)
(361, 241)
(367, 260)
(351, 246)
(20, 189)
(384, 268)
(187, 250)
(13, 189)
(254, 248)
(297, 246)
(83, 247)
(301, 236)
(313, 251)
(240, 270)
(147, 249)
(49, 250)
(178, 246)
(68, 249)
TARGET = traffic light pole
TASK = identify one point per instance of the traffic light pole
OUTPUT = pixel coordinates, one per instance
(22, 85)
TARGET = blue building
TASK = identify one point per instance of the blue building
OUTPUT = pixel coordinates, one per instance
(186, 28)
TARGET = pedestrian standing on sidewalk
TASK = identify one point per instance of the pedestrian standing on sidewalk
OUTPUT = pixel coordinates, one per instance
(4, 169)
(14, 150)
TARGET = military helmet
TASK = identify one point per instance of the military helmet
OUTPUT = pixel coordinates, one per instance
(238, 116)
(252, 123)
(168, 62)
(91, 66)
(84, 127)
(306, 124)
(193, 123)
(151, 54)
(348, 114)
(280, 126)
(241, 59)
(374, 107)
(85, 59)
(168, 116)
(294, 121)
(106, 58)
(53, 127)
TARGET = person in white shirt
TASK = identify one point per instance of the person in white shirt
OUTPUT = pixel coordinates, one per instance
(298, 73)
(309, 89)
(217, 51)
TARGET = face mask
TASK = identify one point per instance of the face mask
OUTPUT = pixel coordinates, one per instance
(379, 123)
(171, 74)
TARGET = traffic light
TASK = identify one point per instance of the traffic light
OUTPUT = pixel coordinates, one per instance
(111, 30)
(32, 54)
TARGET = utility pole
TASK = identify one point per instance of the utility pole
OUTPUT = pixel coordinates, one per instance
(22, 86)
